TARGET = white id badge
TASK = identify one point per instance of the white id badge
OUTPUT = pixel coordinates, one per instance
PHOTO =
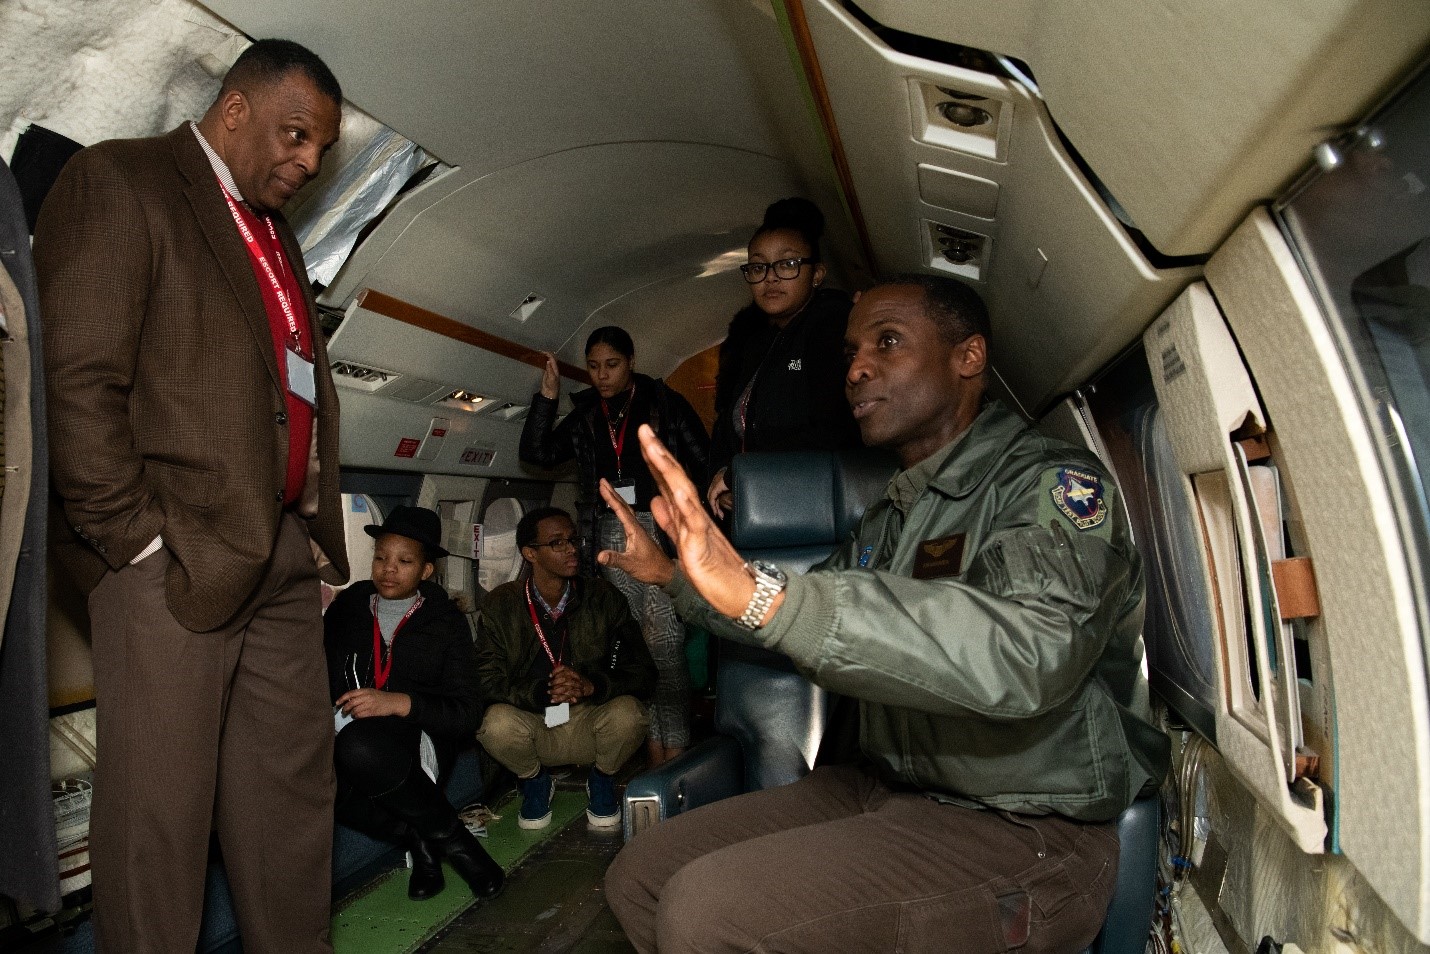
(300, 378)
(340, 718)
(558, 715)
(627, 492)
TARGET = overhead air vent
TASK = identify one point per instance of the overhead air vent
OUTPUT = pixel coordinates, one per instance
(362, 377)
(962, 120)
(957, 251)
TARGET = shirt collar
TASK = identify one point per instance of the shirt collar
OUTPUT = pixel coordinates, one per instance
(554, 611)
(225, 177)
(908, 485)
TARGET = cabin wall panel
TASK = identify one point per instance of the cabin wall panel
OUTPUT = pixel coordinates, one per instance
(1271, 889)
(1382, 782)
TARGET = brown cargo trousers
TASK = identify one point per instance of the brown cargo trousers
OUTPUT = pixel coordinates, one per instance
(841, 862)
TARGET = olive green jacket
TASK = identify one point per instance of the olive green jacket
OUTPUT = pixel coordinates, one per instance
(1014, 683)
(603, 643)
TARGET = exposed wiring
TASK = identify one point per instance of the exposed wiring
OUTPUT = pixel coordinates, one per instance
(75, 741)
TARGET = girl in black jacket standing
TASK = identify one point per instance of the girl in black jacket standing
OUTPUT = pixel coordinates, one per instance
(780, 385)
(403, 676)
(601, 434)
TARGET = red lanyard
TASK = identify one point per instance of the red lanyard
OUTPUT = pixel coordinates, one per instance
(261, 258)
(382, 667)
(536, 623)
(618, 442)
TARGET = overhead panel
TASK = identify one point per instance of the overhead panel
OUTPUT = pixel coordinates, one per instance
(998, 203)
(1190, 113)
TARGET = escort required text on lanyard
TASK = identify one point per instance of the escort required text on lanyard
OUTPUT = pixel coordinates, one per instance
(300, 367)
(626, 488)
(558, 714)
(382, 667)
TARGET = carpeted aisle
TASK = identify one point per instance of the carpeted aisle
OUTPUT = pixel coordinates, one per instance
(382, 920)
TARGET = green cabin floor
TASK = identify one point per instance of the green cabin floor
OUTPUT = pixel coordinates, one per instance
(553, 899)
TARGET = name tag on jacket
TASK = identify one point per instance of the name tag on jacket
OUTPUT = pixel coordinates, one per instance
(940, 557)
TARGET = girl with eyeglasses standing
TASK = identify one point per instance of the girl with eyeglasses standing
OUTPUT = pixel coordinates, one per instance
(780, 385)
(600, 433)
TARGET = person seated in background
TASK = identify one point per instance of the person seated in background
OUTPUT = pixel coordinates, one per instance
(563, 670)
(780, 383)
(987, 617)
(595, 434)
(404, 681)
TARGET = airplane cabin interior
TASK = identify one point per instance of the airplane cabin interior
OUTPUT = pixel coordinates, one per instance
(1201, 231)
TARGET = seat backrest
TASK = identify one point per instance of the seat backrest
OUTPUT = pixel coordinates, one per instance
(791, 509)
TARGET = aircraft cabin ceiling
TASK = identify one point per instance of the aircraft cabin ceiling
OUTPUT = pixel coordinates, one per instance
(610, 160)
(608, 156)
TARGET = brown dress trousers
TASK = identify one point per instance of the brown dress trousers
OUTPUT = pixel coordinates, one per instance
(167, 416)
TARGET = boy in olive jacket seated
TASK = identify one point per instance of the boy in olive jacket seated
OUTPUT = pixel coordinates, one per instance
(563, 671)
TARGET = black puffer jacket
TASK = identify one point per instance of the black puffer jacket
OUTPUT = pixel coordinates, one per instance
(547, 444)
(798, 402)
(432, 661)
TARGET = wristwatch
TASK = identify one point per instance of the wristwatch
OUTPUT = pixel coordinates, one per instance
(770, 581)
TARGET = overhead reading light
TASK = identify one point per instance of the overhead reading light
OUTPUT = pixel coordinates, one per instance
(957, 246)
(962, 114)
(463, 400)
(958, 251)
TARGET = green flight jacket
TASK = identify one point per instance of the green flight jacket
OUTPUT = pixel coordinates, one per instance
(1014, 683)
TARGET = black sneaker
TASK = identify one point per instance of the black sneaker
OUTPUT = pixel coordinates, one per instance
(602, 809)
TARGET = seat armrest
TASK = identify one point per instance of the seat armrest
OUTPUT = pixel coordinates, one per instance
(707, 773)
(1129, 916)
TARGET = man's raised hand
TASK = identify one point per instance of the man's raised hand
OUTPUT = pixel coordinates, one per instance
(706, 557)
(642, 557)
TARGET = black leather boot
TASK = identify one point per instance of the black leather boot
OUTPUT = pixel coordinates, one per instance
(470, 860)
(426, 880)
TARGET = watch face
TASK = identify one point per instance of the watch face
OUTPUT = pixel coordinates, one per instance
(762, 568)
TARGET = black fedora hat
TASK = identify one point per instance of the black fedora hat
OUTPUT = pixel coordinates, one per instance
(415, 523)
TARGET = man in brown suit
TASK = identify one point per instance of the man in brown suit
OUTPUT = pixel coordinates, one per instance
(194, 431)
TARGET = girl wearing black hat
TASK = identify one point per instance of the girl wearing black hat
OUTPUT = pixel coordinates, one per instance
(404, 683)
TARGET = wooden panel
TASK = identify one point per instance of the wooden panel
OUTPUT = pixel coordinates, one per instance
(399, 310)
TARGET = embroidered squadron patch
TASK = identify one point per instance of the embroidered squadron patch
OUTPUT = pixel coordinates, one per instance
(1078, 495)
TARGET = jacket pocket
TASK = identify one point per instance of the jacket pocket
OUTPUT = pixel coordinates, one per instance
(192, 486)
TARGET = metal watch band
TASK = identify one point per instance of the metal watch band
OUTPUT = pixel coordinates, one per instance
(766, 590)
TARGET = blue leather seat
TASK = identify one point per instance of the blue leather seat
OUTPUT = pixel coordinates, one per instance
(792, 509)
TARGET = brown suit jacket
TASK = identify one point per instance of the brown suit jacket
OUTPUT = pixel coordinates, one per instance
(166, 405)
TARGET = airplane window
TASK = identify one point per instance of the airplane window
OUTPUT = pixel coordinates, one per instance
(1362, 231)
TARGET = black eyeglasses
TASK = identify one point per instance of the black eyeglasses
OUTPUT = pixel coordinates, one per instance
(559, 545)
(785, 268)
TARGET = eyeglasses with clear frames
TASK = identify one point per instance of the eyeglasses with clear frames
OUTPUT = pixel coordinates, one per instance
(785, 268)
(560, 544)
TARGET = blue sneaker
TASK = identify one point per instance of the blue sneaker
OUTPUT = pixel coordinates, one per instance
(536, 795)
(602, 809)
